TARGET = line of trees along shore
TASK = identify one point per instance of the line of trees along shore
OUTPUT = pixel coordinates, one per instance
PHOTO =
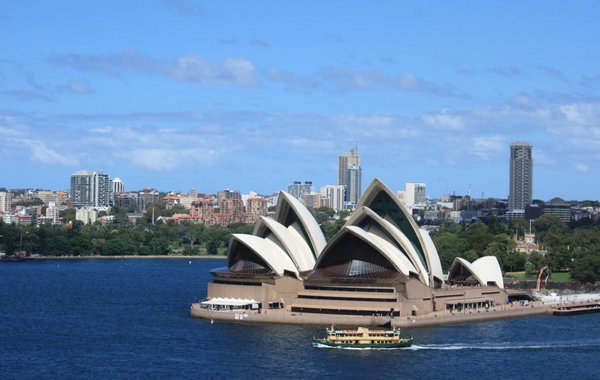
(116, 240)
(573, 248)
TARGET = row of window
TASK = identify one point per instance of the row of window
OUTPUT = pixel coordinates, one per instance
(331, 298)
(376, 313)
(345, 289)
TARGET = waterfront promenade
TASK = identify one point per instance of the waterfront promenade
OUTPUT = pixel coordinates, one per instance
(513, 310)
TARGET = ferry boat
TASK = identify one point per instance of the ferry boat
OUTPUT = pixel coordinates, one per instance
(363, 337)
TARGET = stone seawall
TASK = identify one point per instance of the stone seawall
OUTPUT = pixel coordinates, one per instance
(470, 316)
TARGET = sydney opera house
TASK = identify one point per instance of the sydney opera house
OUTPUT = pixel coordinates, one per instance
(379, 268)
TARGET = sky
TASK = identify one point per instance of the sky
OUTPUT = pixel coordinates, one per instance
(246, 95)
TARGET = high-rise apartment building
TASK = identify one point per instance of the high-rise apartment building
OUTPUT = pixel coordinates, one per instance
(414, 194)
(52, 212)
(333, 196)
(90, 189)
(350, 175)
(298, 189)
(223, 196)
(521, 176)
(5, 202)
(353, 184)
(311, 200)
(117, 186)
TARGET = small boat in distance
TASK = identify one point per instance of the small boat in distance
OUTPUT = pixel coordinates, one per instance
(362, 337)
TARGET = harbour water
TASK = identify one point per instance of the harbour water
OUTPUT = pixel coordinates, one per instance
(130, 319)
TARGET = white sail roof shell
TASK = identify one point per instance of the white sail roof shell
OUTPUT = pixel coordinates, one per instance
(269, 252)
(485, 269)
(433, 258)
(371, 192)
(315, 235)
(291, 241)
(400, 238)
(385, 248)
(488, 269)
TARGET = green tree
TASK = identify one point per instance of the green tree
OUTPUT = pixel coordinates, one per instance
(518, 227)
(548, 223)
(494, 226)
(81, 246)
(586, 268)
(530, 268)
(534, 263)
(159, 246)
(10, 239)
(450, 227)
(143, 250)
(58, 246)
(503, 248)
(331, 228)
(559, 258)
(449, 246)
(212, 247)
(323, 214)
(118, 247)
(67, 215)
(513, 261)
(478, 237)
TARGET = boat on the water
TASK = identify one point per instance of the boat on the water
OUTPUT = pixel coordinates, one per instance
(583, 308)
(363, 337)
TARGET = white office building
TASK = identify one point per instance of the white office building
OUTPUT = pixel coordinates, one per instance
(333, 196)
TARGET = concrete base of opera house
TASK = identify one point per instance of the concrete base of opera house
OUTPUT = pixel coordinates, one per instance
(513, 310)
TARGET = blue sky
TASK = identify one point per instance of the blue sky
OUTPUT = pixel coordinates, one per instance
(183, 94)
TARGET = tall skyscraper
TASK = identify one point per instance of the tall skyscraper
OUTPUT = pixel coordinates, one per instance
(521, 176)
(350, 175)
(90, 189)
(353, 184)
(298, 189)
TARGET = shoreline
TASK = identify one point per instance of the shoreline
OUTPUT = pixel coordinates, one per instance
(441, 318)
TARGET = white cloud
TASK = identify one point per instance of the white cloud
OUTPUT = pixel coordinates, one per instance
(77, 87)
(523, 101)
(370, 120)
(374, 127)
(488, 147)
(187, 68)
(444, 120)
(6, 132)
(101, 130)
(161, 159)
(581, 167)
(17, 139)
(542, 158)
(309, 143)
(290, 79)
(341, 78)
(41, 154)
(192, 68)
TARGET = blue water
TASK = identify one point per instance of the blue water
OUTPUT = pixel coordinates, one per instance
(130, 319)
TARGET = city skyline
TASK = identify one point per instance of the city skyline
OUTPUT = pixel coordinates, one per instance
(253, 98)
